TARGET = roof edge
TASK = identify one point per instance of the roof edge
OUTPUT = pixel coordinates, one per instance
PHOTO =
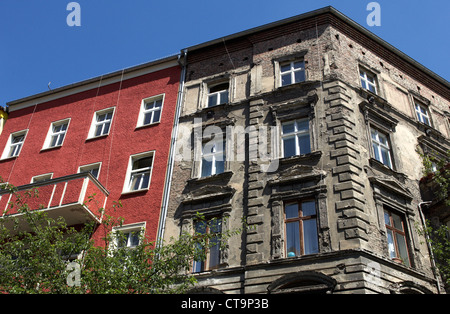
(85, 83)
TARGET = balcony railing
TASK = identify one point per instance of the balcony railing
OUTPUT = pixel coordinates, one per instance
(77, 198)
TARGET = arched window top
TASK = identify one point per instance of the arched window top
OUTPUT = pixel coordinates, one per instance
(304, 282)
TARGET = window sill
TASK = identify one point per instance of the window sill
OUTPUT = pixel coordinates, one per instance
(223, 177)
(96, 137)
(50, 148)
(135, 191)
(305, 84)
(375, 164)
(313, 156)
(8, 158)
(138, 127)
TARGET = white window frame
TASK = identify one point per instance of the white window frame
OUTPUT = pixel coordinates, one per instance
(213, 155)
(421, 116)
(96, 123)
(296, 134)
(9, 145)
(51, 133)
(219, 94)
(90, 167)
(143, 111)
(292, 71)
(131, 172)
(380, 146)
(127, 229)
(364, 77)
(42, 177)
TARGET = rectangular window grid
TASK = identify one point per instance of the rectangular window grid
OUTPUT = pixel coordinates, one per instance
(396, 237)
(381, 150)
(296, 138)
(292, 72)
(213, 229)
(218, 94)
(301, 228)
(368, 81)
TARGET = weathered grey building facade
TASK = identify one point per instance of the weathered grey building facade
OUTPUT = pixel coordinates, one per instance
(319, 123)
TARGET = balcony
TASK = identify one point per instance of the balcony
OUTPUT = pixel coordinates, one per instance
(77, 198)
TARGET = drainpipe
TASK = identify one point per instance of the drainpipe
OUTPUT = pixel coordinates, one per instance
(433, 263)
(171, 161)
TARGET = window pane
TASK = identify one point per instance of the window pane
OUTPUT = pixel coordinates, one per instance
(387, 220)
(53, 140)
(98, 130)
(148, 118)
(223, 97)
(403, 251)
(299, 65)
(61, 138)
(135, 181)
(220, 166)
(310, 241)
(288, 128)
(206, 167)
(308, 208)
(300, 76)
(214, 253)
(134, 239)
(372, 88)
(302, 125)
(292, 239)
(291, 211)
(286, 67)
(363, 84)
(391, 246)
(304, 144)
(200, 227)
(212, 100)
(145, 180)
(219, 88)
(156, 116)
(289, 147)
(376, 152)
(142, 163)
(158, 103)
(386, 157)
(286, 79)
(397, 222)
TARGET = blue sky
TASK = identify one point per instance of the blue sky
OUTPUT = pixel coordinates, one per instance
(37, 46)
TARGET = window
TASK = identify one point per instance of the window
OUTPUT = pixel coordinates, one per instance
(296, 138)
(151, 109)
(422, 114)
(139, 172)
(218, 94)
(381, 150)
(368, 81)
(128, 236)
(213, 158)
(42, 178)
(14, 145)
(56, 134)
(209, 246)
(301, 228)
(292, 72)
(101, 123)
(396, 237)
(94, 169)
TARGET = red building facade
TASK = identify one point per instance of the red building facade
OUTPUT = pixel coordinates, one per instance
(116, 127)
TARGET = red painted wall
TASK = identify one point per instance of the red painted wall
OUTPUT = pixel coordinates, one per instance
(113, 150)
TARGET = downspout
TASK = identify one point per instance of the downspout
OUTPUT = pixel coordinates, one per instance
(433, 263)
(168, 182)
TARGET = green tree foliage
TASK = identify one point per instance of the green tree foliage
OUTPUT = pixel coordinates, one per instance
(37, 255)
